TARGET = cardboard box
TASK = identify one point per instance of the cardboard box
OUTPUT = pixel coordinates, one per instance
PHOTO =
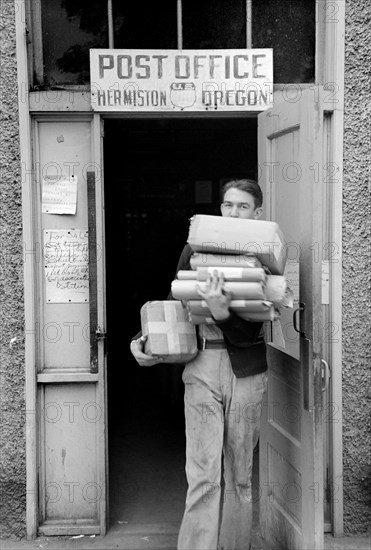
(224, 235)
(170, 333)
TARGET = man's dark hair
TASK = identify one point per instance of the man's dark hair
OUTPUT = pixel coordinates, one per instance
(247, 185)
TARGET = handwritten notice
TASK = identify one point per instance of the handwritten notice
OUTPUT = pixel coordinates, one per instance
(59, 194)
(66, 265)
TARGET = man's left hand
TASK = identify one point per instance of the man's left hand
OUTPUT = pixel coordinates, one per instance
(217, 298)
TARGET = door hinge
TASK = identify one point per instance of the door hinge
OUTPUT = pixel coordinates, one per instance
(100, 334)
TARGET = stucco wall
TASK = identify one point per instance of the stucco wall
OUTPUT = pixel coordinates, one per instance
(357, 268)
(12, 405)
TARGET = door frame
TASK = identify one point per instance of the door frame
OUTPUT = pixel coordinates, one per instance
(331, 47)
(330, 61)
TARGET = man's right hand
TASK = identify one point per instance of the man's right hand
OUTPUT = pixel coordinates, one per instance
(144, 360)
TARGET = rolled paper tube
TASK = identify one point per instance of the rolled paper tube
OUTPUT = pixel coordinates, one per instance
(252, 274)
(187, 290)
(186, 275)
(203, 259)
(258, 317)
(275, 288)
(256, 306)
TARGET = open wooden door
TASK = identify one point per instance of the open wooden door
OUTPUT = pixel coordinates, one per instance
(291, 457)
(69, 327)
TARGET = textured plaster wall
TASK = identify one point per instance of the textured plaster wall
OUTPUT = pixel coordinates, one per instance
(12, 403)
(357, 268)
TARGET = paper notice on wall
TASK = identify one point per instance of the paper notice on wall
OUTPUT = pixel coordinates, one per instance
(325, 280)
(66, 265)
(59, 194)
(292, 276)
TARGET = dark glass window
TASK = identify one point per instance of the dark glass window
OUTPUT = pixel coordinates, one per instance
(150, 25)
(215, 24)
(69, 29)
(287, 26)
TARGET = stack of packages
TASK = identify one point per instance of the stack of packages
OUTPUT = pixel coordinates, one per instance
(250, 254)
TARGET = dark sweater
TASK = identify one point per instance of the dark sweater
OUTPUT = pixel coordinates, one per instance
(244, 340)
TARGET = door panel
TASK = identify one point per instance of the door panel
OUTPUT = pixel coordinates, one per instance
(63, 150)
(71, 418)
(284, 174)
(291, 468)
(70, 392)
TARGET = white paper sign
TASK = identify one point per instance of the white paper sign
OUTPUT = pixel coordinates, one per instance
(181, 80)
(66, 265)
(59, 195)
(292, 275)
(325, 287)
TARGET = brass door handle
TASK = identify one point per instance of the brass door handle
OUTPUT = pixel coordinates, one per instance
(295, 319)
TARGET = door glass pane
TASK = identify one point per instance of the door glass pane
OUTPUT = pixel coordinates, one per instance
(214, 24)
(287, 26)
(69, 29)
(148, 25)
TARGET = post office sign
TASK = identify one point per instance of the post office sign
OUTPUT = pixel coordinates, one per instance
(181, 80)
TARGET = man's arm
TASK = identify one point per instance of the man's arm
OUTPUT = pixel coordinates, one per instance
(144, 360)
(184, 263)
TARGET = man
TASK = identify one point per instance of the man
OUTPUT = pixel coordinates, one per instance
(224, 386)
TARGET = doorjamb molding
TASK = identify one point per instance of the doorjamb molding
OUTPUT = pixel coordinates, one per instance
(330, 63)
(29, 253)
(103, 462)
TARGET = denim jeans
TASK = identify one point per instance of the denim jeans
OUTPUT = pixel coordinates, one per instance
(222, 419)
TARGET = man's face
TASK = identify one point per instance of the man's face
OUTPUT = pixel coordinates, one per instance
(239, 204)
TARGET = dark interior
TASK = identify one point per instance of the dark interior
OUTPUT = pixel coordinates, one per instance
(158, 173)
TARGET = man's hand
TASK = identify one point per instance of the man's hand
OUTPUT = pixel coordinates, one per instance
(144, 360)
(217, 298)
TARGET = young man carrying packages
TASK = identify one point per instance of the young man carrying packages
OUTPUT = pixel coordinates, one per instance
(224, 387)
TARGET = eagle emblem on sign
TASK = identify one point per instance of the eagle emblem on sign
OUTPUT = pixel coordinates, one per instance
(183, 94)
